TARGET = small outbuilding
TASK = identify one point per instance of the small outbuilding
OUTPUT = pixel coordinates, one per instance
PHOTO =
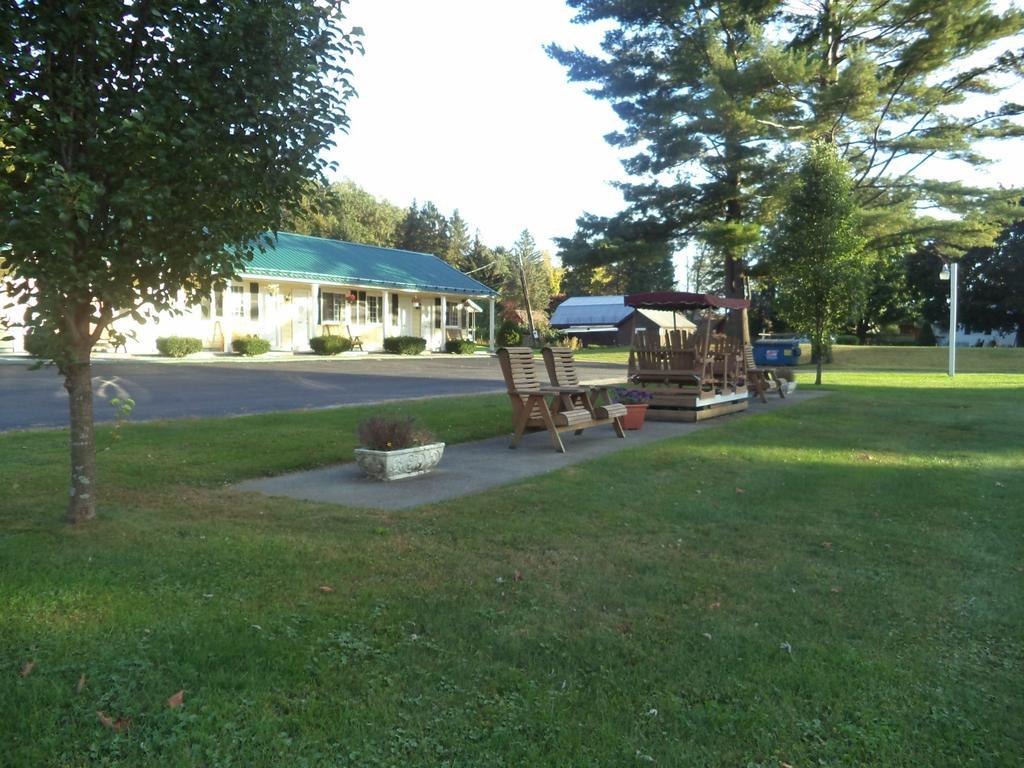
(607, 321)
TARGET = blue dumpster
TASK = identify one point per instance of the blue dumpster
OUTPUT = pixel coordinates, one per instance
(777, 351)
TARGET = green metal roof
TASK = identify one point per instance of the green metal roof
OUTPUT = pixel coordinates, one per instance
(301, 257)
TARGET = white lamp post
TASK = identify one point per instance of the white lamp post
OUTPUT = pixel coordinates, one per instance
(949, 272)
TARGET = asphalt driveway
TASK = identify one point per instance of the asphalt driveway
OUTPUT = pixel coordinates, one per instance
(164, 390)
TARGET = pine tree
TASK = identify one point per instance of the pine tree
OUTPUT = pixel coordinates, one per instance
(600, 265)
(484, 265)
(459, 243)
(425, 230)
(715, 94)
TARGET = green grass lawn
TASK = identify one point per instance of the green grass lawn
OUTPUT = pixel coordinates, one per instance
(836, 584)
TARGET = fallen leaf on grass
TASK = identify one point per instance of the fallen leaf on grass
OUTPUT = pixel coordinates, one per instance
(81, 684)
(177, 699)
(625, 627)
(121, 724)
(326, 589)
(837, 589)
(827, 544)
(740, 490)
(517, 576)
(26, 668)
(716, 604)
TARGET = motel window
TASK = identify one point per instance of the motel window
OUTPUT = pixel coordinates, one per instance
(453, 317)
(254, 301)
(437, 312)
(238, 301)
(394, 309)
(218, 301)
(374, 309)
(332, 307)
(368, 309)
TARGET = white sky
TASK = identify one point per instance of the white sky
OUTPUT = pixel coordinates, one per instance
(459, 104)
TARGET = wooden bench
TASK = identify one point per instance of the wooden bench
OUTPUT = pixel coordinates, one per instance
(538, 407)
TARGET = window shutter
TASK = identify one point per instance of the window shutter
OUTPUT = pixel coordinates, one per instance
(254, 301)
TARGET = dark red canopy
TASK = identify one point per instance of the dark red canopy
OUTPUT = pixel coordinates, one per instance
(677, 301)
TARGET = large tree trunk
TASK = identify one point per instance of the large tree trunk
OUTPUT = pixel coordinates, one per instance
(735, 265)
(78, 383)
(1020, 334)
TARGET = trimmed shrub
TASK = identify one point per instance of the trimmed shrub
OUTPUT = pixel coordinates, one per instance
(847, 339)
(926, 336)
(460, 347)
(405, 345)
(510, 334)
(250, 346)
(330, 345)
(178, 346)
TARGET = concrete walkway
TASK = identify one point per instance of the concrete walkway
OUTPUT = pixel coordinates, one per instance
(473, 467)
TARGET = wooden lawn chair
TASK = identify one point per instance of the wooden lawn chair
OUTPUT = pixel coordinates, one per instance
(536, 407)
(761, 378)
(596, 398)
(356, 341)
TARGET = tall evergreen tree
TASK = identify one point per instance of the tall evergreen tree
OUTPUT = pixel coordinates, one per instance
(458, 241)
(484, 264)
(425, 230)
(700, 89)
(616, 266)
(712, 93)
(526, 258)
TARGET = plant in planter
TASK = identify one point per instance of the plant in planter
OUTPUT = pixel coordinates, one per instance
(636, 402)
(396, 448)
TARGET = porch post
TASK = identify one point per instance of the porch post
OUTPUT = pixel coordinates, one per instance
(490, 328)
(444, 321)
(315, 319)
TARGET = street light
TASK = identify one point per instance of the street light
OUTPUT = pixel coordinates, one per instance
(949, 272)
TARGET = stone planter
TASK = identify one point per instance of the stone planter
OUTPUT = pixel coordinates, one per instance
(394, 465)
(635, 415)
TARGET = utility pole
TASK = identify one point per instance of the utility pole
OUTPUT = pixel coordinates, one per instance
(526, 296)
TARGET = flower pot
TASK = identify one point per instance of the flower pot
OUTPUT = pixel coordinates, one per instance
(635, 415)
(394, 465)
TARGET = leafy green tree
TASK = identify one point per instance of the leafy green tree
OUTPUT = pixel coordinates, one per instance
(994, 285)
(425, 230)
(346, 211)
(887, 298)
(816, 255)
(146, 150)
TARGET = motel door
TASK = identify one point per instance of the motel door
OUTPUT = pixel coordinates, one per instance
(302, 303)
